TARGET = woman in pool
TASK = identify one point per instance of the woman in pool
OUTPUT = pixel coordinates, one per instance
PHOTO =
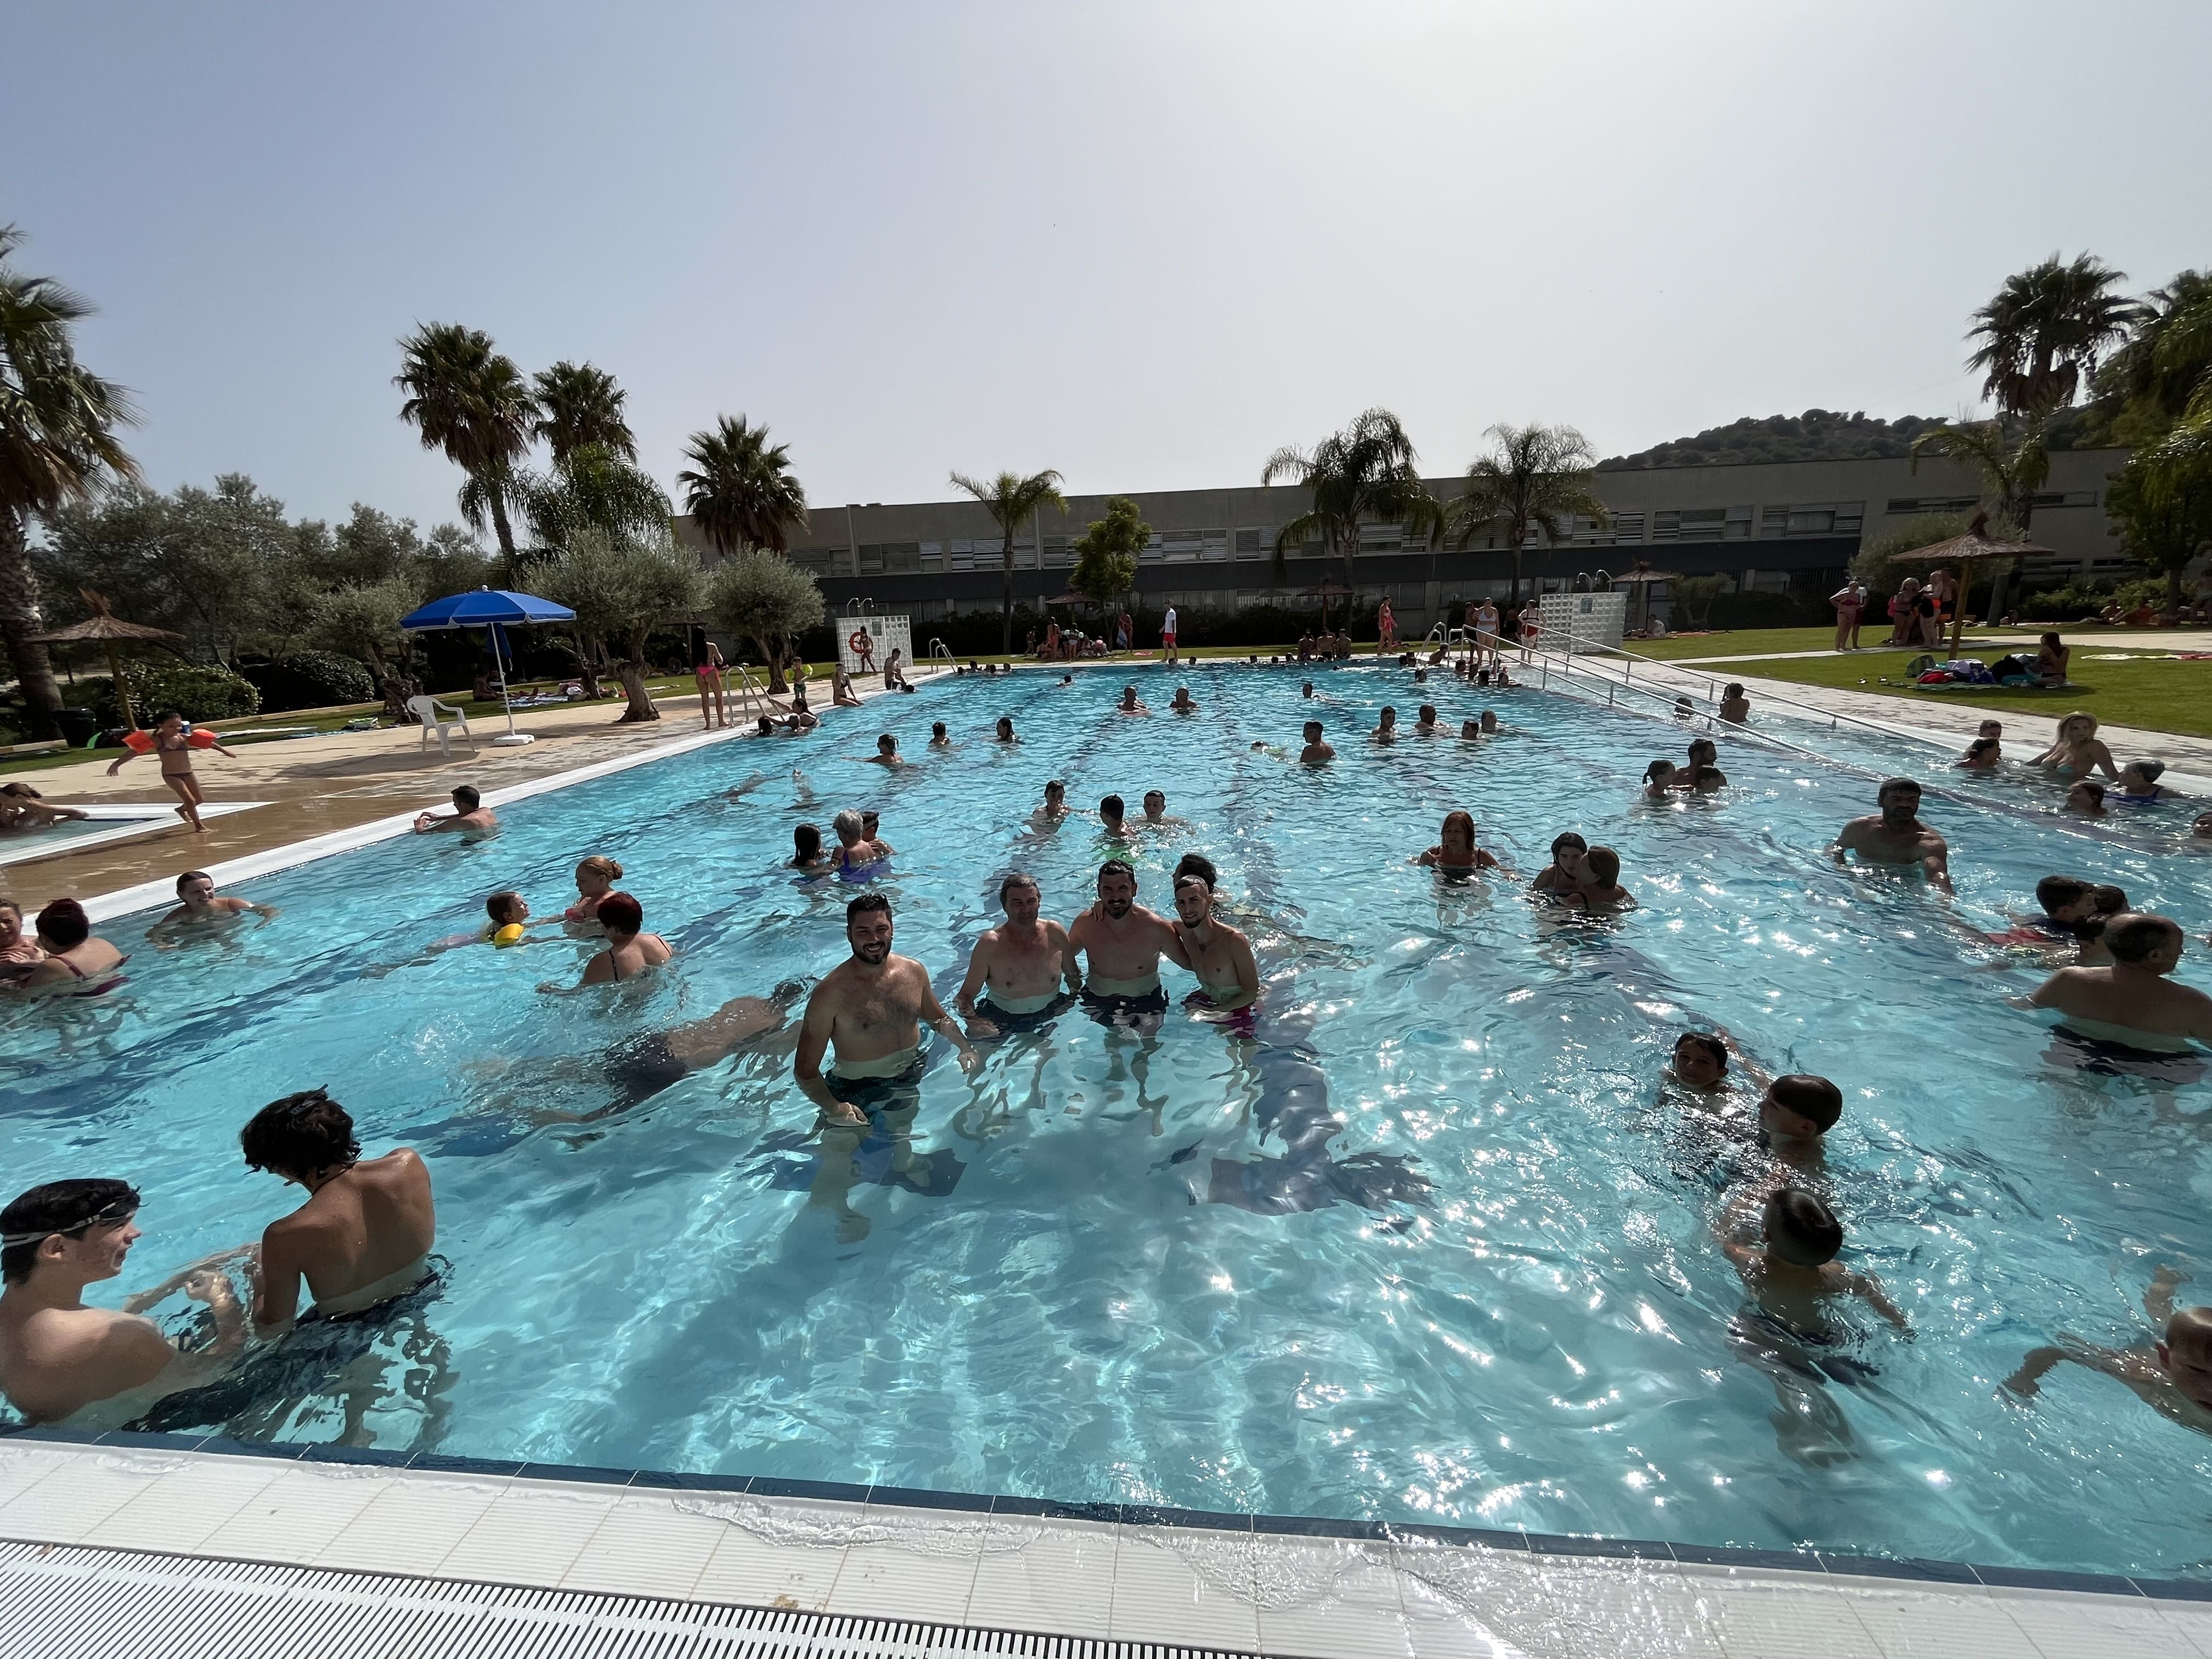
(629, 951)
(18, 954)
(2139, 784)
(1659, 780)
(596, 877)
(1569, 871)
(1455, 853)
(173, 745)
(76, 962)
(2078, 750)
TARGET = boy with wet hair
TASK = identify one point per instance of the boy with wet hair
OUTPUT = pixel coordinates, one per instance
(1793, 1115)
(1700, 1062)
(1791, 1269)
(2172, 1375)
(1111, 811)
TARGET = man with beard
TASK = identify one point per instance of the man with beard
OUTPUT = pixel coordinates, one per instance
(1896, 837)
(870, 1009)
(1125, 943)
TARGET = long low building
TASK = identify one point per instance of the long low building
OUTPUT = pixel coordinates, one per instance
(1764, 527)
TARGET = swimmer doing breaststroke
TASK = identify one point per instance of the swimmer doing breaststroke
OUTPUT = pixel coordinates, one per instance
(870, 1009)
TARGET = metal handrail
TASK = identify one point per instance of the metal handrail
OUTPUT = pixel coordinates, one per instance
(939, 648)
(1835, 720)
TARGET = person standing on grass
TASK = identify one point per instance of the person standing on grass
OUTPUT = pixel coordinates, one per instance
(174, 742)
(1847, 599)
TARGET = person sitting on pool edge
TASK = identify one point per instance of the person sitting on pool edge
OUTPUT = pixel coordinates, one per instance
(201, 904)
(870, 1009)
(364, 1234)
(630, 950)
(1736, 708)
(58, 1359)
(2171, 1374)
(469, 815)
(2132, 998)
(1019, 967)
(1896, 837)
(1455, 851)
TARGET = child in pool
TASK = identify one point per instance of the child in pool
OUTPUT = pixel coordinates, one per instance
(1790, 1266)
(508, 910)
(2173, 1375)
(1794, 1115)
(1605, 892)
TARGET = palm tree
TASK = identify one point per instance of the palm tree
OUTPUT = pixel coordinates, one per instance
(57, 445)
(1014, 500)
(2167, 361)
(2013, 461)
(2044, 331)
(1538, 478)
(578, 404)
(740, 492)
(590, 487)
(473, 402)
(1366, 472)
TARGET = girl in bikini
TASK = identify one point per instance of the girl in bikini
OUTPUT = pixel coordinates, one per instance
(173, 744)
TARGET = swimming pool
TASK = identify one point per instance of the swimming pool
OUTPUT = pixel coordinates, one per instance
(1067, 1312)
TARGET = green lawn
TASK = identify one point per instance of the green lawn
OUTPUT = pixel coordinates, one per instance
(2155, 695)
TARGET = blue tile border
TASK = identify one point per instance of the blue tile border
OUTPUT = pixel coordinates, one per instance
(1909, 1569)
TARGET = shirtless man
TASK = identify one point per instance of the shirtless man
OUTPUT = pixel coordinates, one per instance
(2172, 1375)
(887, 752)
(58, 1359)
(1055, 803)
(1124, 940)
(1182, 703)
(364, 1234)
(1426, 727)
(1316, 753)
(1386, 728)
(1129, 703)
(939, 738)
(870, 1008)
(1221, 956)
(1157, 815)
(1896, 837)
(2131, 999)
(201, 904)
(469, 815)
(1018, 966)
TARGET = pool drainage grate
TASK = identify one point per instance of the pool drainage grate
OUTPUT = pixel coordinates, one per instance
(71, 1602)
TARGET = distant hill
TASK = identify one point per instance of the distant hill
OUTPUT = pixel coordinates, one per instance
(1818, 434)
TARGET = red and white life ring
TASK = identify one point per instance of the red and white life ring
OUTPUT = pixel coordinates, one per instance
(861, 644)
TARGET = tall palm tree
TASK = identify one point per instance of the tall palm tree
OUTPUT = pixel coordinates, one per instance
(2012, 458)
(591, 487)
(1364, 472)
(579, 405)
(1014, 500)
(2167, 361)
(57, 445)
(1537, 477)
(740, 492)
(470, 401)
(2043, 332)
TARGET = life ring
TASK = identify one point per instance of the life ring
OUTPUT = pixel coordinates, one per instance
(861, 644)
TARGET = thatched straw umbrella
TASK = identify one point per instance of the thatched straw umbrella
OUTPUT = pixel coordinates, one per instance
(107, 628)
(1642, 577)
(1972, 548)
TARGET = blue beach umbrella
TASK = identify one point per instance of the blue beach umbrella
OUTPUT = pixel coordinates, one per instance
(493, 608)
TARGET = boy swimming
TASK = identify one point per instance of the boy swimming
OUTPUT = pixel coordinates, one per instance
(2172, 1375)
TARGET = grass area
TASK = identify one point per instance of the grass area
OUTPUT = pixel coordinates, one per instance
(2147, 691)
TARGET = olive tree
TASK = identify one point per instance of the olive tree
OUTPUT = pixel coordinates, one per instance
(363, 622)
(763, 597)
(623, 587)
(1107, 551)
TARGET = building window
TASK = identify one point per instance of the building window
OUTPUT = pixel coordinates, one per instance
(1255, 543)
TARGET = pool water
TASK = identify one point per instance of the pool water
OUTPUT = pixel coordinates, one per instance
(1432, 1244)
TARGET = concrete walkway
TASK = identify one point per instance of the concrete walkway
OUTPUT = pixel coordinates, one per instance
(314, 786)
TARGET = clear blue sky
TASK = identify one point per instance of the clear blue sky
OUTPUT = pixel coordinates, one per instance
(1142, 243)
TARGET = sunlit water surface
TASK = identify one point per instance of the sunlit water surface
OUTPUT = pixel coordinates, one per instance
(1050, 1301)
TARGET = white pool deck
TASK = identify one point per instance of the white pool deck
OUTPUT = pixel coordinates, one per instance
(146, 1546)
(381, 1541)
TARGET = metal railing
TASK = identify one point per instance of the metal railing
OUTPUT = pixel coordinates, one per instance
(939, 649)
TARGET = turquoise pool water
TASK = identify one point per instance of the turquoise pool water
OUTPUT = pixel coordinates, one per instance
(1542, 1341)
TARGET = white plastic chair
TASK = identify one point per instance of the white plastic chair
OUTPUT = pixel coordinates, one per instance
(441, 718)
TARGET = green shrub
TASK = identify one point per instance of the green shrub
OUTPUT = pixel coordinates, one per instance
(311, 679)
(199, 691)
